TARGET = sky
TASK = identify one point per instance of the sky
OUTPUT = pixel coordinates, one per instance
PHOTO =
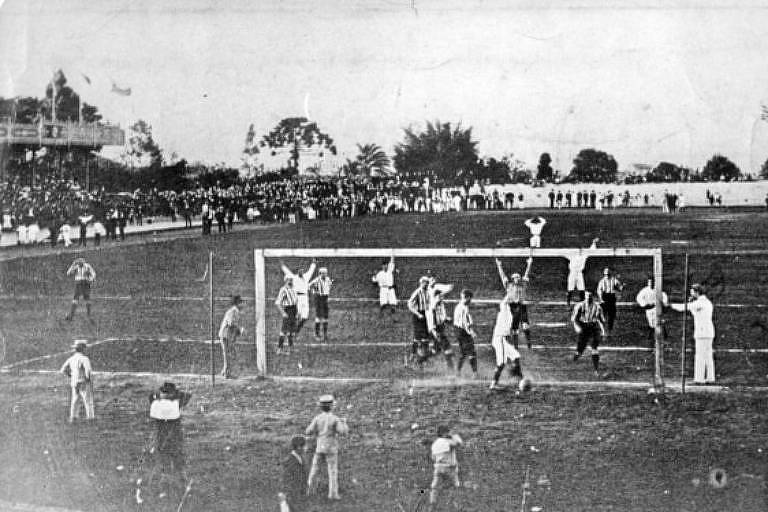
(645, 81)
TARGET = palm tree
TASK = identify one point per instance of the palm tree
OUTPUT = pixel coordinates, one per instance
(372, 160)
(441, 148)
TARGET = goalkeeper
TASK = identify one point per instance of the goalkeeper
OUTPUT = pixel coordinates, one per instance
(516, 290)
(588, 322)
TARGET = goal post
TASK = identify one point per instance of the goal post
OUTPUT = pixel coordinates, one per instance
(260, 288)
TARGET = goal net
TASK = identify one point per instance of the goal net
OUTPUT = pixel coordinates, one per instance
(365, 340)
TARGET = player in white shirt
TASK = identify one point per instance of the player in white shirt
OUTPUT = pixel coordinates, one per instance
(301, 287)
(385, 279)
(535, 225)
(446, 466)
(576, 266)
(703, 333)
(229, 330)
(502, 348)
(78, 369)
(646, 299)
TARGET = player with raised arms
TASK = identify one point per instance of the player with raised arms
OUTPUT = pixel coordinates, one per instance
(576, 264)
(437, 321)
(535, 225)
(385, 279)
(516, 288)
(301, 288)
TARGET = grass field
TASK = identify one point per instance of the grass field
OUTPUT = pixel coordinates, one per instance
(587, 448)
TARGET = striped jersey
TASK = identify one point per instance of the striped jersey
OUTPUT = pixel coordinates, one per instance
(436, 315)
(587, 313)
(462, 319)
(321, 285)
(419, 301)
(609, 285)
(515, 292)
(82, 272)
(286, 297)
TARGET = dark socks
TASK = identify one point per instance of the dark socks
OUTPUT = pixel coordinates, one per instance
(596, 361)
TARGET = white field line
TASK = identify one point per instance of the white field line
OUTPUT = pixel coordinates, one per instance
(367, 300)
(24, 362)
(420, 383)
(9, 506)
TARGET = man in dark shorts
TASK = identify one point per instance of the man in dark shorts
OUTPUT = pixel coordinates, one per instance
(418, 304)
(286, 304)
(321, 288)
(465, 332)
(588, 322)
(84, 276)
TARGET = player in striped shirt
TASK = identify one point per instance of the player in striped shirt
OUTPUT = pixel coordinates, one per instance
(437, 321)
(84, 277)
(286, 303)
(607, 293)
(321, 289)
(301, 287)
(385, 279)
(465, 332)
(418, 303)
(516, 288)
(588, 322)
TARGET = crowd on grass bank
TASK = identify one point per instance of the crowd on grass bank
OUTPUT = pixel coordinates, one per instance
(62, 206)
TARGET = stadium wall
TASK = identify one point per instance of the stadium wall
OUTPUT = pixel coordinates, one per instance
(741, 193)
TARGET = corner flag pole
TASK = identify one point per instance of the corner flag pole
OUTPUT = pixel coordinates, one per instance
(210, 305)
(685, 317)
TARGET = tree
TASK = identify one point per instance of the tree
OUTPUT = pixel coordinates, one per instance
(445, 150)
(592, 165)
(371, 161)
(142, 146)
(544, 170)
(666, 171)
(764, 170)
(67, 101)
(719, 167)
(296, 134)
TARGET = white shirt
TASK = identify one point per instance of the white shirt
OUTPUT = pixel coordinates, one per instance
(231, 320)
(535, 227)
(300, 281)
(444, 450)
(647, 297)
(503, 324)
(385, 278)
(701, 309)
(79, 368)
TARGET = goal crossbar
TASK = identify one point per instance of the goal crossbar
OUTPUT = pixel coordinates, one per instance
(476, 252)
(260, 294)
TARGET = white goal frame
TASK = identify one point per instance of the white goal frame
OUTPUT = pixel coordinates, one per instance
(260, 296)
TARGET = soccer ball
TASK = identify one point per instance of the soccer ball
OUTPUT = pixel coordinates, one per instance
(525, 384)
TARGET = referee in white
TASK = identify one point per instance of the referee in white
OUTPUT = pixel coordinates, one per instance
(703, 333)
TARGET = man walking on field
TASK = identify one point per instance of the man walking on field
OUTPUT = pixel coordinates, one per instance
(84, 277)
(385, 279)
(465, 332)
(301, 287)
(326, 427)
(321, 289)
(228, 332)
(703, 333)
(78, 369)
(576, 264)
(418, 303)
(535, 225)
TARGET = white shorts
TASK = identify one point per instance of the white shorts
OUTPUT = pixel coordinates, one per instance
(535, 241)
(650, 315)
(575, 281)
(387, 297)
(504, 350)
(302, 306)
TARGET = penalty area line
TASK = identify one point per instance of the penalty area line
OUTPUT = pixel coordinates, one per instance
(23, 362)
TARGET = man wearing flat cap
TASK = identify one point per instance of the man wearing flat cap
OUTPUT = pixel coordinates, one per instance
(703, 333)
(228, 332)
(326, 426)
(78, 368)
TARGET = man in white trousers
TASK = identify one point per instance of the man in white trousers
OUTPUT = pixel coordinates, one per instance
(703, 333)
(78, 369)
(301, 287)
(326, 427)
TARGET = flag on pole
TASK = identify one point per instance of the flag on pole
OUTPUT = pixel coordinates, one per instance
(120, 91)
